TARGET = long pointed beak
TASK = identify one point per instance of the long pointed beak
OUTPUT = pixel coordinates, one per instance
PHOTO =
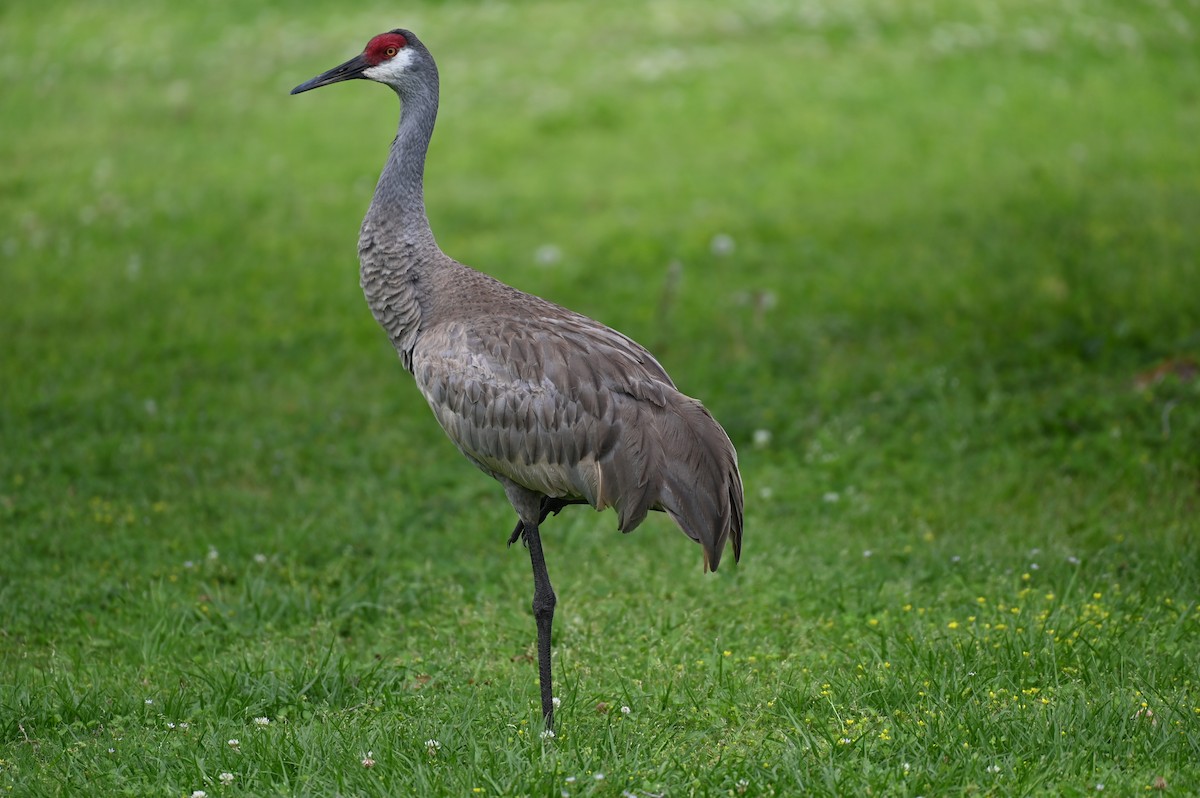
(348, 71)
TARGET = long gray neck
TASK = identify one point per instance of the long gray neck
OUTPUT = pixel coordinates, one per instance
(396, 248)
(397, 212)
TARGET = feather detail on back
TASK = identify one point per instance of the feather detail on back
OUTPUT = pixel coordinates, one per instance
(567, 407)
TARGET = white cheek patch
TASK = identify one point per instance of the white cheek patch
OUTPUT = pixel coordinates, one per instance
(392, 68)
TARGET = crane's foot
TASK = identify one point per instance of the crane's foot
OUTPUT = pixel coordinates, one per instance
(550, 506)
(518, 530)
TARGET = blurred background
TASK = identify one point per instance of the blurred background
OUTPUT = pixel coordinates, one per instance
(783, 194)
(933, 265)
(971, 224)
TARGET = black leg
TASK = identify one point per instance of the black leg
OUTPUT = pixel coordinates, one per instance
(543, 614)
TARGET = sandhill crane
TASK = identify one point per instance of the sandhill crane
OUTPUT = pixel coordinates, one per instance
(555, 406)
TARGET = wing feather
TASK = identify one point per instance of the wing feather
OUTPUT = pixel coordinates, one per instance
(567, 407)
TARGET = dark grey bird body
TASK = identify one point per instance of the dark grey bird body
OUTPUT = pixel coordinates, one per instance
(557, 407)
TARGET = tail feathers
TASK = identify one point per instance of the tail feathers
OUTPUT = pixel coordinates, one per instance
(676, 457)
(637, 479)
(702, 485)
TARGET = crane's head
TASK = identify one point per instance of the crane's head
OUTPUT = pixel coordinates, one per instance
(392, 58)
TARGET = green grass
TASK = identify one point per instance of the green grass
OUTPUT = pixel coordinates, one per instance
(962, 229)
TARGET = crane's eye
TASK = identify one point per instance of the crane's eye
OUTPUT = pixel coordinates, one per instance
(390, 52)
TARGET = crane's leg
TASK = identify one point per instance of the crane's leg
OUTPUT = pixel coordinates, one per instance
(543, 614)
(532, 509)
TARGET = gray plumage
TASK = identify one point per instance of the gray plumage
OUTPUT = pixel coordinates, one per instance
(559, 408)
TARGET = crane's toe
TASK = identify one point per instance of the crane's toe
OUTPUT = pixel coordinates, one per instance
(517, 532)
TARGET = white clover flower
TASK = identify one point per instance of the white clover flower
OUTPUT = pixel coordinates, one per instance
(199, 794)
(722, 244)
(625, 710)
(264, 721)
(432, 746)
(149, 701)
(234, 743)
(367, 760)
(547, 254)
(598, 777)
(548, 734)
(261, 559)
(556, 701)
(170, 725)
(762, 438)
(993, 768)
(226, 778)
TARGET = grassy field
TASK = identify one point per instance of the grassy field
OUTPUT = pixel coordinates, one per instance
(934, 265)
